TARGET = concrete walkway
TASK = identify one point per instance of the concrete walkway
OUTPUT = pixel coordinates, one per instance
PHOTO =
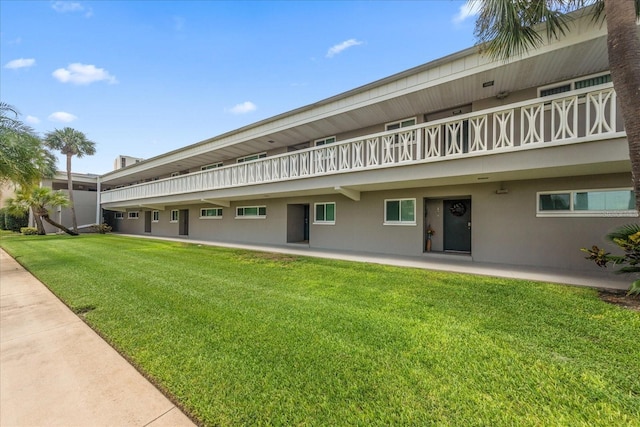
(439, 262)
(56, 371)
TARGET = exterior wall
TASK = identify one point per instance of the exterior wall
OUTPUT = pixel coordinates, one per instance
(505, 228)
(85, 207)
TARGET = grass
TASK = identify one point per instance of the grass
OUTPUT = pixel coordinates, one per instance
(251, 338)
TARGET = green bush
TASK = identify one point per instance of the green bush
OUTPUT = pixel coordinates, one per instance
(2, 215)
(101, 228)
(626, 238)
(29, 231)
(14, 223)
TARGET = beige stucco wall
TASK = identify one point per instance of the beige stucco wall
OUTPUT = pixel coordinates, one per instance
(505, 228)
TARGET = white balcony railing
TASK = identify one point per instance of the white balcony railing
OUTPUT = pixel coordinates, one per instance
(576, 116)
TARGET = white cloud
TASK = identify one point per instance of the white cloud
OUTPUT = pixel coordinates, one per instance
(334, 50)
(32, 120)
(82, 74)
(71, 6)
(20, 63)
(61, 116)
(470, 9)
(245, 107)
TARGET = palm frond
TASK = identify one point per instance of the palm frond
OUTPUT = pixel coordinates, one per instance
(623, 232)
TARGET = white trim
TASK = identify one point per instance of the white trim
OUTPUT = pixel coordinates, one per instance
(136, 216)
(571, 83)
(153, 214)
(171, 220)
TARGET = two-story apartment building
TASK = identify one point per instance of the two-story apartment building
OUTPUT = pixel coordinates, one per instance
(521, 162)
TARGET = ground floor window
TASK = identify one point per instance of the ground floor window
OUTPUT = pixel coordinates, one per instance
(133, 215)
(588, 203)
(206, 213)
(325, 213)
(174, 215)
(119, 215)
(251, 212)
(400, 212)
(155, 216)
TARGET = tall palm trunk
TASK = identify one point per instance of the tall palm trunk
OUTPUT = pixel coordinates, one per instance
(74, 222)
(38, 221)
(624, 63)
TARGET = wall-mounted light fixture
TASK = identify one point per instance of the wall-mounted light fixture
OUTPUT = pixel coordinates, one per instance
(502, 95)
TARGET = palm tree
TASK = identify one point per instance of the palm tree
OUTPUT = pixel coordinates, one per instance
(23, 158)
(70, 142)
(507, 28)
(39, 200)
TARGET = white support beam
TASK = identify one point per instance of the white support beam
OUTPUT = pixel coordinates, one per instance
(217, 202)
(348, 192)
(154, 207)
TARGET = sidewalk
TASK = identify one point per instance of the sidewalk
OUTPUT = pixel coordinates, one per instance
(56, 371)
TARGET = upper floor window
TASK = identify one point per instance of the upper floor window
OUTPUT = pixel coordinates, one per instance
(594, 80)
(211, 166)
(251, 157)
(400, 124)
(588, 203)
(324, 141)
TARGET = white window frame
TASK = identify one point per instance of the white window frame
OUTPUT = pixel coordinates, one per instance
(175, 215)
(400, 221)
(119, 215)
(571, 83)
(217, 216)
(258, 207)
(324, 141)
(211, 166)
(155, 216)
(572, 212)
(250, 158)
(399, 123)
(133, 215)
(317, 221)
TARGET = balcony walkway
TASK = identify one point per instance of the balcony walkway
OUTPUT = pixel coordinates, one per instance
(437, 261)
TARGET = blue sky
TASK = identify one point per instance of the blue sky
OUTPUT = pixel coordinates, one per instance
(141, 78)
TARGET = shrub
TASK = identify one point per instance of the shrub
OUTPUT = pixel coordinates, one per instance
(29, 231)
(101, 228)
(14, 223)
(627, 238)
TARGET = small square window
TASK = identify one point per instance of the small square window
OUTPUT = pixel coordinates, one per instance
(119, 215)
(325, 213)
(155, 216)
(400, 212)
(175, 213)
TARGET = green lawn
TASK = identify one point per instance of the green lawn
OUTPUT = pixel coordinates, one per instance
(251, 338)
